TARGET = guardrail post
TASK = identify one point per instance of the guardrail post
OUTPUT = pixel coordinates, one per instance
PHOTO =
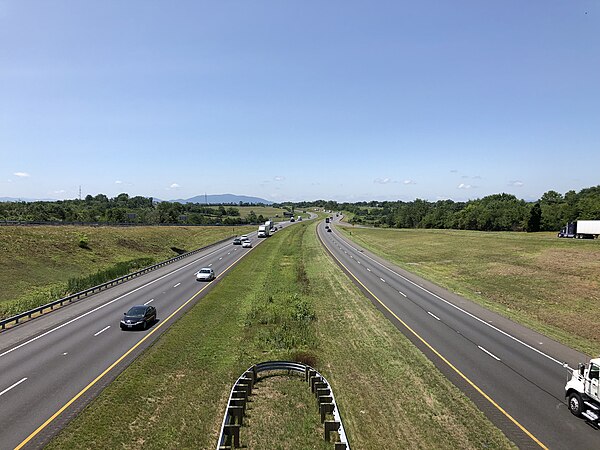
(324, 409)
(340, 446)
(330, 425)
(236, 413)
(234, 432)
(314, 380)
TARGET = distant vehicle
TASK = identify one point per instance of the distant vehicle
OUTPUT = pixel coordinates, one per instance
(244, 237)
(327, 227)
(237, 241)
(329, 230)
(582, 229)
(247, 244)
(206, 273)
(292, 220)
(265, 229)
(299, 218)
(138, 316)
(326, 219)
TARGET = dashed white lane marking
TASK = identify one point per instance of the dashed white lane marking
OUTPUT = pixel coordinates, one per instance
(220, 258)
(176, 285)
(491, 354)
(151, 300)
(65, 353)
(13, 386)
(433, 315)
(382, 279)
(402, 293)
(210, 265)
(368, 269)
(102, 330)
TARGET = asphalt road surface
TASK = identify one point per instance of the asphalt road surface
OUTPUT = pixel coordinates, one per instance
(514, 375)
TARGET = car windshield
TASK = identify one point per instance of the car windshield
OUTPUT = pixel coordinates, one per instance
(204, 270)
(137, 311)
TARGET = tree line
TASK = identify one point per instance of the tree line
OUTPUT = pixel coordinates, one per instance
(124, 209)
(498, 212)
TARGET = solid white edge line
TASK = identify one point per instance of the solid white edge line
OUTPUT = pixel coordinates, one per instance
(461, 310)
(106, 304)
(13, 386)
(102, 330)
(433, 315)
(489, 353)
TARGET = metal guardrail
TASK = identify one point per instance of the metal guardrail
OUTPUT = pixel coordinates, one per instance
(242, 389)
(77, 296)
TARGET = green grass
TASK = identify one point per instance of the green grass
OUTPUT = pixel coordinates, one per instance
(266, 211)
(42, 263)
(295, 305)
(551, 285)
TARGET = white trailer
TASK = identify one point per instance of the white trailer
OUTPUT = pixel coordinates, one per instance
(583, 391)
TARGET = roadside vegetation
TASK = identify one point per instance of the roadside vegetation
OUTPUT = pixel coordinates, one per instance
(286, 300)
(43, 263)
(548, 284)
(138, 210)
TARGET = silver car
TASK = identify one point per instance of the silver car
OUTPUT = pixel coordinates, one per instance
(205, 274)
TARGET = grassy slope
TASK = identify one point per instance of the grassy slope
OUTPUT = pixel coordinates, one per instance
(38, 261)
(548, 284)
(295, 303)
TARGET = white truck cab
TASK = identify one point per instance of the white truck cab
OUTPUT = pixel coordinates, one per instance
(583, 390)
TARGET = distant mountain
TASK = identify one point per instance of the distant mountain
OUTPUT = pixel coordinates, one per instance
(222, 199)
(28, 200)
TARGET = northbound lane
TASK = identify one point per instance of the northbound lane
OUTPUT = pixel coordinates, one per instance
(512, 373)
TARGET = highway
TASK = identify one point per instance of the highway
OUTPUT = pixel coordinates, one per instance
(51, 367)
(514, 375)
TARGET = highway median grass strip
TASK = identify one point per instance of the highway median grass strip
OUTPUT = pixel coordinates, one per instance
(285, 300)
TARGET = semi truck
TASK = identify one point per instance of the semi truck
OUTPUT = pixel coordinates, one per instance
(265, 230)
(581, 229)
(583, 391)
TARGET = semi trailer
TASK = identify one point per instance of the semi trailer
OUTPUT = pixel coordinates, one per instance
(581, 229)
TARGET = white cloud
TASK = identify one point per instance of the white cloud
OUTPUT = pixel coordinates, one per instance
(516, 183)
(464, 186)
(21, 174)
(118, 182)
(279, 178)
(174, 186)
(60, 191)
(409, 182)
(385, 180)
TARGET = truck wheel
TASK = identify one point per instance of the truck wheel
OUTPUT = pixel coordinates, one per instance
(575, 403)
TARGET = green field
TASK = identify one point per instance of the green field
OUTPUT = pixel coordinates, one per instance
(38, 261)
(548, 284)
(295, 305)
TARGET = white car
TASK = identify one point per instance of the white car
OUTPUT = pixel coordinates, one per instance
(246, 244)
(244, 237)
(205, 274)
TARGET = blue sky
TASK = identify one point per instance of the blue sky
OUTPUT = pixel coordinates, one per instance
(284, 100)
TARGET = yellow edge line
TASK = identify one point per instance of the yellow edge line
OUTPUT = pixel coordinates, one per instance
(112, 366)
(463, 376)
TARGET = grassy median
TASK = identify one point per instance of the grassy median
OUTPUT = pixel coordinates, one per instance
(286, 300)
(548, 284)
